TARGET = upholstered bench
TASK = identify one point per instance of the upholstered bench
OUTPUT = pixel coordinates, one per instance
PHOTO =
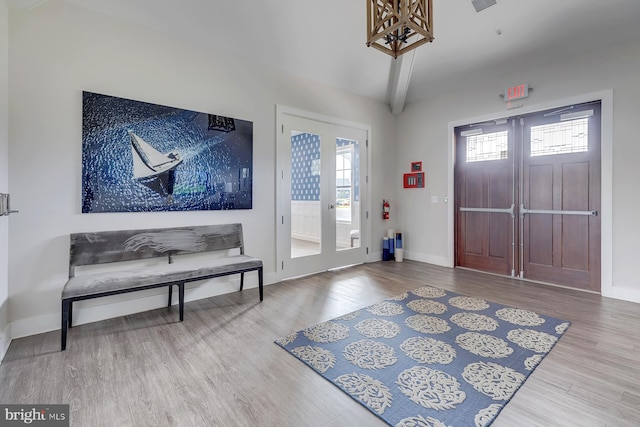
(174, 243)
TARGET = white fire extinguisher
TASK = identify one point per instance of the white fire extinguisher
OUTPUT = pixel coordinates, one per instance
(385, 209)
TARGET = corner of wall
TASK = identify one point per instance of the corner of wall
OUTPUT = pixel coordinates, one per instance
(5, 329)
(5, 341)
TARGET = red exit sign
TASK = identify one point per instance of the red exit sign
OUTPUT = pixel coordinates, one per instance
(516, 92)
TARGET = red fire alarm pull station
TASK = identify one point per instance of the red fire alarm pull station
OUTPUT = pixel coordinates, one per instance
(414, 180)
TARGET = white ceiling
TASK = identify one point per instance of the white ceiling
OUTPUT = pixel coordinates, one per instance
(325, 40)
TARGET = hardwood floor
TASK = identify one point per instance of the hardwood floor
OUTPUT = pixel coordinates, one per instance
(220, 366)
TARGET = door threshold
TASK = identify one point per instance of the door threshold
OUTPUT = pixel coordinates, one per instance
(345, 266)
(539, 282)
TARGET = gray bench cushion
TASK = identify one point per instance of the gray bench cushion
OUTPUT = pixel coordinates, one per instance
(184, 270)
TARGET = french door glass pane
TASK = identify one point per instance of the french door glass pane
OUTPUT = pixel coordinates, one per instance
(306, 215)
(347, 194)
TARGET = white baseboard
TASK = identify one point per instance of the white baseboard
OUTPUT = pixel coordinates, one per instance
(94, 310)
(414, 256)
(374, 256)
(5, 341)
(631, 295)
(429, 259)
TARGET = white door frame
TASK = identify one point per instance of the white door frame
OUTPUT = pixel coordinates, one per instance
(606, 180)
(365, 190)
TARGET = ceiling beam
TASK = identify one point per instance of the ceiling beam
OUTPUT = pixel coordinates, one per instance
(401, 69)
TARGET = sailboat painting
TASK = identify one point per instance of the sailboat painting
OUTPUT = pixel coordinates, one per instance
(140, 157)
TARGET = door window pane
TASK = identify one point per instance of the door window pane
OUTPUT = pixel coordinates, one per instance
(571, 136)
(306, 215)
(489, 146)
(347, 194)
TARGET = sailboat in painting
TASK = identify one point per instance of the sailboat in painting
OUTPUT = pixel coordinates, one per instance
(149, 164)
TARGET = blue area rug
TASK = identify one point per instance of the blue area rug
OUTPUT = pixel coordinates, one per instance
(429, 357)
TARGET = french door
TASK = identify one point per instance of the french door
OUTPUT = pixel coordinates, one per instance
(321, 195)
(528, 196)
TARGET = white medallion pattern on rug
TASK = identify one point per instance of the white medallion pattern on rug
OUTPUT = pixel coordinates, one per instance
(533, 361)
(369, 354)
(537, 341)
(349, 316)
(484, 345)
(319, 358)
(373, 393)
(327, 332)
(562, 328)
(428, 350)
(420, 421)
(288, 339)
(386, 308)
(427, 324)
(400, 297)
(378, 328)
(496, 381)
(519, 317)
(427, 306)
(429, 357)
(430, 388)
(469, 303)
(485, 416)
(429, 292)
(474, 321)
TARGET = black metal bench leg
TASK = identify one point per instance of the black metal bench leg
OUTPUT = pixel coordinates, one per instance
(170, 295)
(181, 300)
(260, 281)
(70, 314)
(65, 323)
(241, 280)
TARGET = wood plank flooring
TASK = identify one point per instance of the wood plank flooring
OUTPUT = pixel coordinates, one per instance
(220, 366)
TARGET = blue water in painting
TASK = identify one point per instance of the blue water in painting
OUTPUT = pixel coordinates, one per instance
(215, 173)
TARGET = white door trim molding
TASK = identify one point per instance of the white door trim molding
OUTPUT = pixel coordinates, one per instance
(281, 111)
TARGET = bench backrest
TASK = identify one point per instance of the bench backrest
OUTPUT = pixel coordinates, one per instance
(125, 245)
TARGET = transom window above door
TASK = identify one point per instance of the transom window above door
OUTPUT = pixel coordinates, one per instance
(560, 138)
(489, 146)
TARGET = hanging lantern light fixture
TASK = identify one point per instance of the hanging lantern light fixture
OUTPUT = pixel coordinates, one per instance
(397, 26)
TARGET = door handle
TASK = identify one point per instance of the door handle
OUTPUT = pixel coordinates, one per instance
(510, 211)
(5, 205)
(524, 211)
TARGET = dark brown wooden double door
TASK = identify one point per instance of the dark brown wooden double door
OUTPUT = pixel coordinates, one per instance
(528, 196)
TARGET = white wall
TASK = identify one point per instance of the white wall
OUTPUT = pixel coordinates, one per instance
(57, 51)
(425, 134)
(4, 182)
